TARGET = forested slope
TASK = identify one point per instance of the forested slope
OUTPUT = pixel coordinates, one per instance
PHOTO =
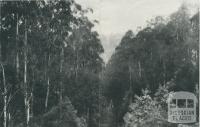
(52, 73)
(50, 60)
(164, 53)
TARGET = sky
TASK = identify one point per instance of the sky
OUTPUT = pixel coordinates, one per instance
(118, 16)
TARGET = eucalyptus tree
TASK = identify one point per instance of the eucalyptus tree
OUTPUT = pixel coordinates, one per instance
(162, 52)
(84, 50)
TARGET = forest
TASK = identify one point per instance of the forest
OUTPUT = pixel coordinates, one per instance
(52, 73)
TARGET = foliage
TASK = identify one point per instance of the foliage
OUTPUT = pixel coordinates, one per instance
(55, 42)
(52, 73)
(164, 51)
(146, 111)
(63, 115)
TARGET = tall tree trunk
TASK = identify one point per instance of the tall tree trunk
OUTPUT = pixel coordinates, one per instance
(31, 103)
(17, 54)
(77, 60)
(31, 98)
(4, 79)
(4, 97)
(130, 83)
(61, 82)
(0, 31)
(48, 84)
(61, 70)
(88, 118)
(140, 69)
(47, 95)
(26, 98)
(164, 72)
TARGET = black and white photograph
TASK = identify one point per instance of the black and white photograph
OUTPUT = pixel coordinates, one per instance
(99, 63)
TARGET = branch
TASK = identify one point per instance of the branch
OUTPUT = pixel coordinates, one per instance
(11, 97)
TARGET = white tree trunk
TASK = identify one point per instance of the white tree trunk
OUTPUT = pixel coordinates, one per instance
(48, 84)
(5, 97)
(5, 110)
(27, 108)
(17, 55)
(4, 83)
(26, 98)
(61, 70)
(47, 95)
